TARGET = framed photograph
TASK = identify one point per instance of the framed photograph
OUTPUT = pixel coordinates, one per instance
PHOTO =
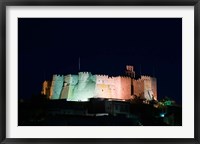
(99, 71)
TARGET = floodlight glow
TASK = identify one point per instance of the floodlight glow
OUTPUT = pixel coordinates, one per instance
(162, 115)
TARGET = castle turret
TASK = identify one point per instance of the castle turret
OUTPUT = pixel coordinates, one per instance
(130, 71)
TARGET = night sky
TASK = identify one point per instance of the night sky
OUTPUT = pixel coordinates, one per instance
(105, 46)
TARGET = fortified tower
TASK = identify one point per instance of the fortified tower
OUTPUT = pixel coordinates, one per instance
(56, 86)
(130, 73)
(146, 87)
(46, 88)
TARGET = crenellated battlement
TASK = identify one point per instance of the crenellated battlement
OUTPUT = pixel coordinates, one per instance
(101, 76)
(58, 77)
(83, 76)
(145, 77)
(84, 73)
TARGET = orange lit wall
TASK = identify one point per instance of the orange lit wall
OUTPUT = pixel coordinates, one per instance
(103, 88)
(154, 87)
(113, 87)
(46, 88)
(126, 87)
(138, 87)
(144, 85)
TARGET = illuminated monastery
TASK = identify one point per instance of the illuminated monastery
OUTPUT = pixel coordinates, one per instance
(83, 86)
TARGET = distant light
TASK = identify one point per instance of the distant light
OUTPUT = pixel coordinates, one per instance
(162, 115)
(102, 114)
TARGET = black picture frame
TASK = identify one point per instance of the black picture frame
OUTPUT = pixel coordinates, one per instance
(4, 3)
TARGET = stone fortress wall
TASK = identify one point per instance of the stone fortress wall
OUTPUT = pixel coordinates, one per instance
(83, 86)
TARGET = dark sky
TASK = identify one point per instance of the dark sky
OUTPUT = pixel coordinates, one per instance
(105, 46)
